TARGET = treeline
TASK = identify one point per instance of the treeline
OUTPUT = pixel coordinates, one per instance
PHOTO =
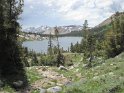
(71, 34)
(114, 38)
(31, 58)
(106, 41)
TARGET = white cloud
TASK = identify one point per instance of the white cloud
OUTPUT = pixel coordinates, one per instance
(103, 3)
(77, 10)
(48, 2)
(31, 7)
(122, 5)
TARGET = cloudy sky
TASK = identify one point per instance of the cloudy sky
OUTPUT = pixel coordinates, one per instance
(68, 12)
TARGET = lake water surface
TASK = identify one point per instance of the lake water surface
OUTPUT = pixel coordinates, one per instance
(42, 46)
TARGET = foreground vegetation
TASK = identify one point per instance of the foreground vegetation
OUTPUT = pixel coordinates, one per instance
(105, 77)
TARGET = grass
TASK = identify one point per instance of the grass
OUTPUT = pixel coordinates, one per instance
(32, 75)
(7, 89)
(35, 91)
(105, 78)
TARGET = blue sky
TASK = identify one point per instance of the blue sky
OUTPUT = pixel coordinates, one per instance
(68, 12)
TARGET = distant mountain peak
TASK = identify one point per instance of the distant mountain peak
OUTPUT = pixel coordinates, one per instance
(48, 29)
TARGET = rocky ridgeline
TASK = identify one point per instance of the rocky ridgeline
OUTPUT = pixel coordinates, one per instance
(48, 29)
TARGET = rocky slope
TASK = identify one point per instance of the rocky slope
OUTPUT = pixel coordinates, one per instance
(108, 20)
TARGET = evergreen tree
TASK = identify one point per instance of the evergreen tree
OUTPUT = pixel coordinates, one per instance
(11, 66)
(50, 51)
(34, 60)
(72, 48)
(55, 49)
(115, 37)
(85, 38)
(60, 57)
(24, 56)
(88, 44)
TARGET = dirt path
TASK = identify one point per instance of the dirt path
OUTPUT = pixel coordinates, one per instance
(50, 78)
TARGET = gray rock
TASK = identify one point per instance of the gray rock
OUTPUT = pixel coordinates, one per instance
(62, 68)
(55, 89)
(69, 83)
(1, 84)
(18, 84)
(84, 65)
(43, 90)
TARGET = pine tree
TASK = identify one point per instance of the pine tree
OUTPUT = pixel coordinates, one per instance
(115, 36)
(88, 44)
(2, 32)
(85, 38)
(34, 60)
(60, 57)
(55, 49)
(50, 51)
(72, 48)
(11, 65)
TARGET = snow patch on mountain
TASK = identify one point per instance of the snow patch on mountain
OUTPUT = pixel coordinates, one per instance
(48, 29)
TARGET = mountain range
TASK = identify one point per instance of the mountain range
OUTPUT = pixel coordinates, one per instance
(48, 29)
